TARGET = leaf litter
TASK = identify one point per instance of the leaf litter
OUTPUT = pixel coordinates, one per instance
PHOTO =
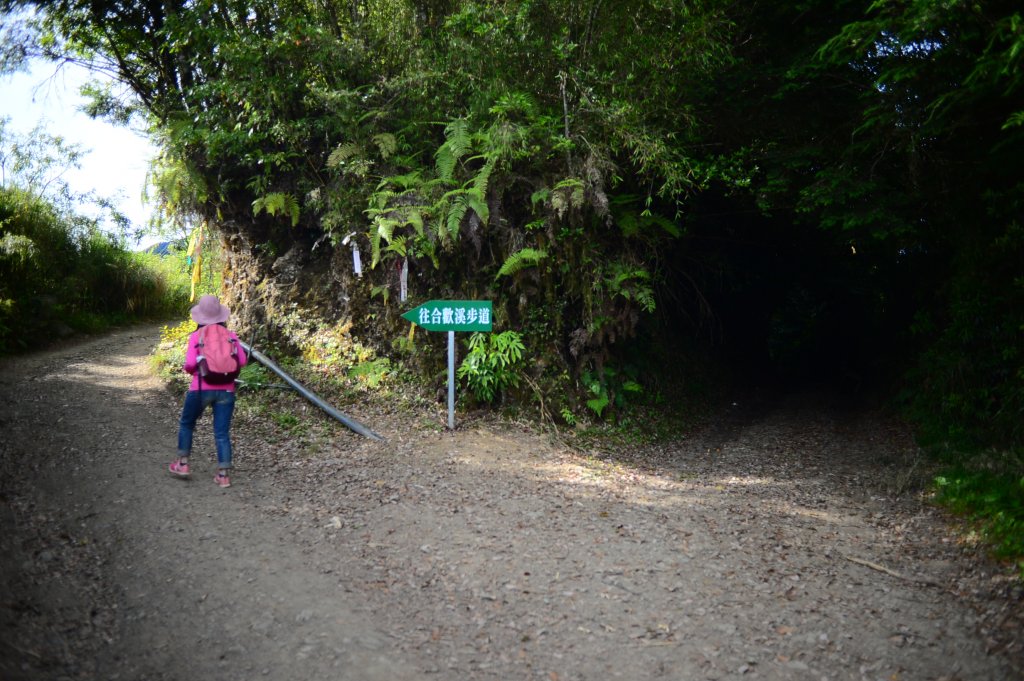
(789, 542)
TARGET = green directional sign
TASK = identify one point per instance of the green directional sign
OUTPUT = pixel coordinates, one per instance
(452, 315)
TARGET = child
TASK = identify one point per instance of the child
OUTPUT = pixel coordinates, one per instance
(201, 393)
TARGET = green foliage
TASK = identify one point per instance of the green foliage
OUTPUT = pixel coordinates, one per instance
(907, 163)
(969, 382)
(611, 387)
(176, 269)
(36, 164)
(619, 140)
(323, 116)
(372, 373)
(254, 376)
(175, 337)
(415, 212)
(278, 203)
(994, 502)
(599, 399)
(492, 364)
(631, 283)
(520, 260)
(287, 421)
(169, 354)
(59, 273)
(329, 347)
(568, 416)
(567, 194)
(640, 223)
(56, 277)
(178, 192)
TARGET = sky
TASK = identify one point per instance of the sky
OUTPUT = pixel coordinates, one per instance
(116, 158)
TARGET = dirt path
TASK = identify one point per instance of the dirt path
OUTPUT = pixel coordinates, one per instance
(767, 547)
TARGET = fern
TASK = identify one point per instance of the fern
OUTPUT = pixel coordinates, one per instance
(645, 296)
(458, 143)
(572, 188)
(456, 212)
(629, 223)
(415, 218)
(278, 203)
(512, 103)
(632, 283)
(428, 248)
(408, 181)
(445, 161)
(386, 143)
(398, 244)
(458, 138)
(598, 404)
(384, 229)
(484, 176)
(566, 194)
(520, 260)
(635, 218)
(476, 202)
(426, 209)
(383, 291)
(342, 153)
(558, 202)
(380, 200)
(637, 224)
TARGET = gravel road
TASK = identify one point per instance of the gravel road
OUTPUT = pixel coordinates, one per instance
(782, 542)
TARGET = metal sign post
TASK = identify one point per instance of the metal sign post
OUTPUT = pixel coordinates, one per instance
(451, 380)
(452, 316)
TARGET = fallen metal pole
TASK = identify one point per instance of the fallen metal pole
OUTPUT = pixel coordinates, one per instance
(301, 389)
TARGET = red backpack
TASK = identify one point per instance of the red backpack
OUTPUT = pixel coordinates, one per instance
(218, 355)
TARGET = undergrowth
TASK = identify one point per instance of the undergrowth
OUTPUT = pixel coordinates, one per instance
(992, 502)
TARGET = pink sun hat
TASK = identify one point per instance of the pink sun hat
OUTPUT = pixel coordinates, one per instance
(209, 311)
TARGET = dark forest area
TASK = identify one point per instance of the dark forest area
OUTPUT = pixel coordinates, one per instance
(655, 194)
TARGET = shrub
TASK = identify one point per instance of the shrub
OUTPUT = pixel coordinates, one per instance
(992, 500)
(492, 364)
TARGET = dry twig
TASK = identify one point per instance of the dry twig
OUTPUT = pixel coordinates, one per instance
(888, 571)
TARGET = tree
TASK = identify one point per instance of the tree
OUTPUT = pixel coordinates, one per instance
(880, 140)
(818, 178)
(294, 118)
(929, 183)
(58, 271)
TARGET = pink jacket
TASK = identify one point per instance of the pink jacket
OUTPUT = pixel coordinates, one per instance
(191, 365)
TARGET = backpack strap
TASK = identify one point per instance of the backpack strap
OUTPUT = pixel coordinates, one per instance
(199, 372)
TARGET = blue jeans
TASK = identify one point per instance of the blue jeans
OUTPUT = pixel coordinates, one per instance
(223, 403)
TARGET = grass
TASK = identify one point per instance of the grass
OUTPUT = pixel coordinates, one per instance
(641, 426)
(372, 373)
(287, 421)
(993, 502)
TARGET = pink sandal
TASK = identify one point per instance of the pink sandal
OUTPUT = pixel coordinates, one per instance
(179, 469)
